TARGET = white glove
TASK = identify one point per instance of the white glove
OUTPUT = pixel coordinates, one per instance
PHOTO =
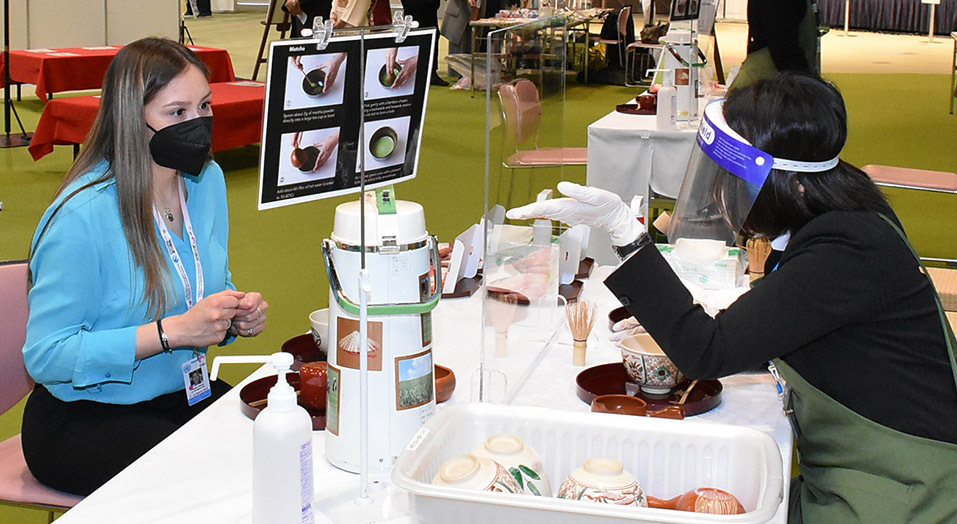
(625, 328)
(586, 205)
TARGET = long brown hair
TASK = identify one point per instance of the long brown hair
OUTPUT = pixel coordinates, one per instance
(119, 135)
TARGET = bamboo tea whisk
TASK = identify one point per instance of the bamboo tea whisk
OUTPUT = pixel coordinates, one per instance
(501, 310)
(581, 318)
(758, 251)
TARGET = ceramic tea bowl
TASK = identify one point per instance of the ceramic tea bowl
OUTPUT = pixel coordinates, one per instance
(314, 82)
(520, 460)
(478, 473)
(383, 142)
(319, 320)
(305, 158)
(647, 365)
(386, 78)
(603, 480)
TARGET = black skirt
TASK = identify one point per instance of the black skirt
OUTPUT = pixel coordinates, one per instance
(77, 446)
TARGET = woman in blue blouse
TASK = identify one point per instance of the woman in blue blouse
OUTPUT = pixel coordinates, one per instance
(130, 276)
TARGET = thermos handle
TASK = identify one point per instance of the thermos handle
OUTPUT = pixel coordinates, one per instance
(402, 308)
(682, 61)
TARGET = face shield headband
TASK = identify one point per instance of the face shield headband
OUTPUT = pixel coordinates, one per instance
(724, 176)
(736, 155)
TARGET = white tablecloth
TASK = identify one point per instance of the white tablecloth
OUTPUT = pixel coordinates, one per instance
(203, 472)
(626, 154)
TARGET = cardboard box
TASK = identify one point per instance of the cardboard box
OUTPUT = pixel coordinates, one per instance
(945, 280)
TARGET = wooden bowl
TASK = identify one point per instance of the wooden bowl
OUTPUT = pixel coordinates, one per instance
(304, 349)
(619, 405)
(444, 383)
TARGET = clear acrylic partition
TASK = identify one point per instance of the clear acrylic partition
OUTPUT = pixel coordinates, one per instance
(527, 64)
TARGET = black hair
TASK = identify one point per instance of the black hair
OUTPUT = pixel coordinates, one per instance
(799, 116)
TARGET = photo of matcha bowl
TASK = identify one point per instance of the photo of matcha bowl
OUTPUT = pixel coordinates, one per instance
(305, 158)
(314, 82)
(386, 78)
(383, 142)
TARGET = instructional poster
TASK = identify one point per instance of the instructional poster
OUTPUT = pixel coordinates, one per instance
(312, 144)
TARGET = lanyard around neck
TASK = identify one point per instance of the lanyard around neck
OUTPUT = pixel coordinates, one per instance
(174, 254)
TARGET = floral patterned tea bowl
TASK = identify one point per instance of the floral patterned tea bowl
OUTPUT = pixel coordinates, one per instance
(473, 472)
(648, 366)
(603, 480)
(519, 459)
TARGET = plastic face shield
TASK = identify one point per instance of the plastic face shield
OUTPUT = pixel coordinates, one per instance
(724, 175)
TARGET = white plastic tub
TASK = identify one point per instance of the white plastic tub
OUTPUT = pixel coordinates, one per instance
(668, 457)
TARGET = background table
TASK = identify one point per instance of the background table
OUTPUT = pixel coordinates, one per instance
(909, 16)
(76, 68)
(203, 472)
(237, 112)
(627, 154)
(573, 19)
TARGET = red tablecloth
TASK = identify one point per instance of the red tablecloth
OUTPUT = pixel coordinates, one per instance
(75, 68)
(237, 118)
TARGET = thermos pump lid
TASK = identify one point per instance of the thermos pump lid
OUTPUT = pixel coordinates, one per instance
(407, 225)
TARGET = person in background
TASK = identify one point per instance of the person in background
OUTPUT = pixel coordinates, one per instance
(455, 26)
(129, 276)
(303, 12)
(426, 13)
(852, 322)
(782, 36)
(350, 13)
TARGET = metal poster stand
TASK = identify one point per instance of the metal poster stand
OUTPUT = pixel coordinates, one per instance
(8, 140)
(374, 503)
(293, 112)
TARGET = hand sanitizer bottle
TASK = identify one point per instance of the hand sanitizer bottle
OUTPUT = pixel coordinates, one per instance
(667, 102)
(282, 455)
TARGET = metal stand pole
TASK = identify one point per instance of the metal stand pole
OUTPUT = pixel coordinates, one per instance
(847, 16)
(8, 140)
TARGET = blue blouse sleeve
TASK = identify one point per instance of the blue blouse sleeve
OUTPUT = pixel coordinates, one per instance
(62, 344)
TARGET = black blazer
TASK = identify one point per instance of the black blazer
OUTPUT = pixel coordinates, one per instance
(848, 308)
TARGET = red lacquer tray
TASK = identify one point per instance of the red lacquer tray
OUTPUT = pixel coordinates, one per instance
(253, 396)
(633, 109)
(608, 379)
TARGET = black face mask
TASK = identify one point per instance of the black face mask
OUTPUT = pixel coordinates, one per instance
(184, 146)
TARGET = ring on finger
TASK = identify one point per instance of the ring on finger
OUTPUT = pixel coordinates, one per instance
(249, 332)
(229, 323)
(260, 313)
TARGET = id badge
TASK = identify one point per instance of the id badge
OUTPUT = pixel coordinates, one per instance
(197, 379)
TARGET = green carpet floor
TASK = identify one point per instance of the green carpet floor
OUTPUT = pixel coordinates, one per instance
(894, 119)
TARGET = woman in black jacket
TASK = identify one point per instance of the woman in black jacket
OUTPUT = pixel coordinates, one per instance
(848, 316)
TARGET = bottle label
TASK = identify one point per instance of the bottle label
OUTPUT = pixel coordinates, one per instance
(305, 466)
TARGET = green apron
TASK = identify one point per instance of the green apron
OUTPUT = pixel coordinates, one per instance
(758, 65)
(856, 470)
